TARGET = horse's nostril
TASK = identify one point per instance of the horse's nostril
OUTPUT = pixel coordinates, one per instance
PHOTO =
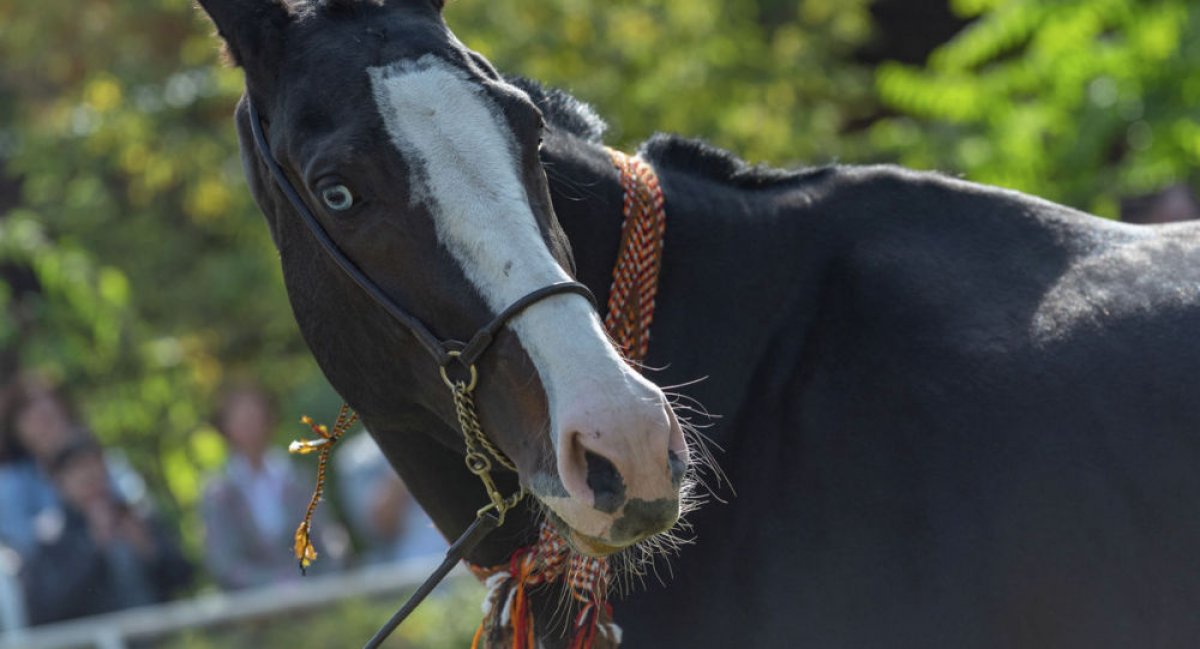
(608, 489)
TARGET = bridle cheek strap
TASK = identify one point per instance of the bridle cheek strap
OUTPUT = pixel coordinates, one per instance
(441, 350)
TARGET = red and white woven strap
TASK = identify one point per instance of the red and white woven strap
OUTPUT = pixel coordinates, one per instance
(630, 312)
(635, 275)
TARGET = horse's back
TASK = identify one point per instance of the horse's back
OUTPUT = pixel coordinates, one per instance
(989, 439)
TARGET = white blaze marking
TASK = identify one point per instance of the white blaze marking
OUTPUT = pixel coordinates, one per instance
(465, 167)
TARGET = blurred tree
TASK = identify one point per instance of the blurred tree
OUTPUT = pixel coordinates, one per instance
(770, 79)
(907, 31)
(157, 277)
(144, 276)
(1078, 101)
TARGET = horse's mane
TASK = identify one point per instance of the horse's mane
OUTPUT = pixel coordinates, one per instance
(563, 111)
(569, 114)
(703, 159)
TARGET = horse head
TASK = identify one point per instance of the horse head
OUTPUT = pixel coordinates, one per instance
(422, 164)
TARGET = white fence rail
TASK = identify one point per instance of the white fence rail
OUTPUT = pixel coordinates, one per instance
(117, 630)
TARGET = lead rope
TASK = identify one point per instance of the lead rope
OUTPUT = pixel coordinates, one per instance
(508, 615)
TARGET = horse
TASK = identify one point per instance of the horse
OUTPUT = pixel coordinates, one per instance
(951, 415)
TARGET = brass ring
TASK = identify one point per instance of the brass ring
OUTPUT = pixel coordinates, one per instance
(451, 384)
(478, 463)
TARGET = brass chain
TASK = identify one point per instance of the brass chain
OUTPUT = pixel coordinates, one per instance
(480, 450)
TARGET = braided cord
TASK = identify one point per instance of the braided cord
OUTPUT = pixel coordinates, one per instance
(303, 547)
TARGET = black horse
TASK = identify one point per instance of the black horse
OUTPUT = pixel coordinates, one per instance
(955, 416)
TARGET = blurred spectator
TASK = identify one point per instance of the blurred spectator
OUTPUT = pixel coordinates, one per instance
(37, 420)
(390, 525)
(252, 508)
(35, 424)
(103, 555)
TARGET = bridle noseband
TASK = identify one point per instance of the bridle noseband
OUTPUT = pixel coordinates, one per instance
(481, 453)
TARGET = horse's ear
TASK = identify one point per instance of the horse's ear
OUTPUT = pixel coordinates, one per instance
(252, 29)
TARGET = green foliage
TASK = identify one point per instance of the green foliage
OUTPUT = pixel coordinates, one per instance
(1079, 101)
(159, 279)
(766, 78)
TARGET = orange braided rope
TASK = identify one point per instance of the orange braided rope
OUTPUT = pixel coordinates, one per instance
(508, 615)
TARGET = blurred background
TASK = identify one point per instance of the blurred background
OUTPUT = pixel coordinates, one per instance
(142, 295)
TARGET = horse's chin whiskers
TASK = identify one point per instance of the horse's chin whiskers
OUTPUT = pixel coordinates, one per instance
(642, 367)
(633, 565)
(683, 401)
(651, 557)
(685, 384)
(704, 463)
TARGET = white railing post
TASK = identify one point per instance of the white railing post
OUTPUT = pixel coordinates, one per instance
(12, 600)
(110, 638)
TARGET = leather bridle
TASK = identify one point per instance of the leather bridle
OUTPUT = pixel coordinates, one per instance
(445, 353)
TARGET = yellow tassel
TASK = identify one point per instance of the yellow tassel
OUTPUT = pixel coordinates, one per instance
(302, 546)
(305, 552)
(306, 446)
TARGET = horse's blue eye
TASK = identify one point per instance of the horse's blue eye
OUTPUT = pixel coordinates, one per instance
(337, 197)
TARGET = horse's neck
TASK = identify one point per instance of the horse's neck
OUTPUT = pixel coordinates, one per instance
(738, 265)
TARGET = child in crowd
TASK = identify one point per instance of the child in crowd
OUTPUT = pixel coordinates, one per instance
(100, 554)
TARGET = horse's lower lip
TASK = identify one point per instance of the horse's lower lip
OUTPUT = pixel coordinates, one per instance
(582, 543)
(591, 546)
